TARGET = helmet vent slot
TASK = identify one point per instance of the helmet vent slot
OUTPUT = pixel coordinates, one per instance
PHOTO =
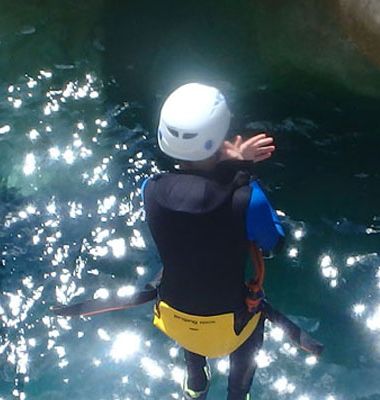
(189, 135)
(173, 132)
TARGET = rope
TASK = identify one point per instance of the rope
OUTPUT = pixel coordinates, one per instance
(255, 285)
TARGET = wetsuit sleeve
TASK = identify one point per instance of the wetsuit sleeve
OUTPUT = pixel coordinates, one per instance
(262, 223)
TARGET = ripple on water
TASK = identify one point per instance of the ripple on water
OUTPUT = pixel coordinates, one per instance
(78, 225)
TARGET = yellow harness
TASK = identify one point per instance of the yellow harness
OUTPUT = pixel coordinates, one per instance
(214, 335)
(210, 336)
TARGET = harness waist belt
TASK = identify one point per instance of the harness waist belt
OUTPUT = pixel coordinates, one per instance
(211, 336)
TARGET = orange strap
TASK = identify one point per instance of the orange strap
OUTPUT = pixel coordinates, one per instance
(255, 285)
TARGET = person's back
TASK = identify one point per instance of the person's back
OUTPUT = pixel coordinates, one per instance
(201, 241)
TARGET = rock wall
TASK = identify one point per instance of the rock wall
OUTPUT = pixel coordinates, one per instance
(150, 46)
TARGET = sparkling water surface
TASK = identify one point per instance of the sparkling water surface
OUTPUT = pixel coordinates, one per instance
(72, 228)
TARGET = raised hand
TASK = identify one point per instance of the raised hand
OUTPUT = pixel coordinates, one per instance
(257, 148)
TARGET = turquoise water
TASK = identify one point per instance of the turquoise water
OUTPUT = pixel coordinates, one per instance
(79, 93)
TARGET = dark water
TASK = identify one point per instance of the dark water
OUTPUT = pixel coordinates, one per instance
(79, 95)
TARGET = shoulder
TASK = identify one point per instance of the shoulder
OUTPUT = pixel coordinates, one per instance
(187, 192)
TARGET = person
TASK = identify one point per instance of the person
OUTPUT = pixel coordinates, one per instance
(203, 218)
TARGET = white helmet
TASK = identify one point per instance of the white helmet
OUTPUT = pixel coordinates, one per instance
(193, 123)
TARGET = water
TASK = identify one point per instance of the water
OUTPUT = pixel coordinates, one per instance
(76, 141)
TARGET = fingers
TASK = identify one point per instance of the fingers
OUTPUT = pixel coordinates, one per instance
(258, 137)
(227, 145)
(256, 142)
(265, 142)
(257, 148)
(238, 141)
(261, 137)
(267, 149)
(259, 140)
(230, 152)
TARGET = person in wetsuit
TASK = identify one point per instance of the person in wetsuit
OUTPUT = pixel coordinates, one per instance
(203, 218)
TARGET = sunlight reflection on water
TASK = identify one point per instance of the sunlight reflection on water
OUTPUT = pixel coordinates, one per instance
(66, 243)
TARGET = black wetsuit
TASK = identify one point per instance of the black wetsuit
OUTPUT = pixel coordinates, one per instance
(198, 221)
(202, 243)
